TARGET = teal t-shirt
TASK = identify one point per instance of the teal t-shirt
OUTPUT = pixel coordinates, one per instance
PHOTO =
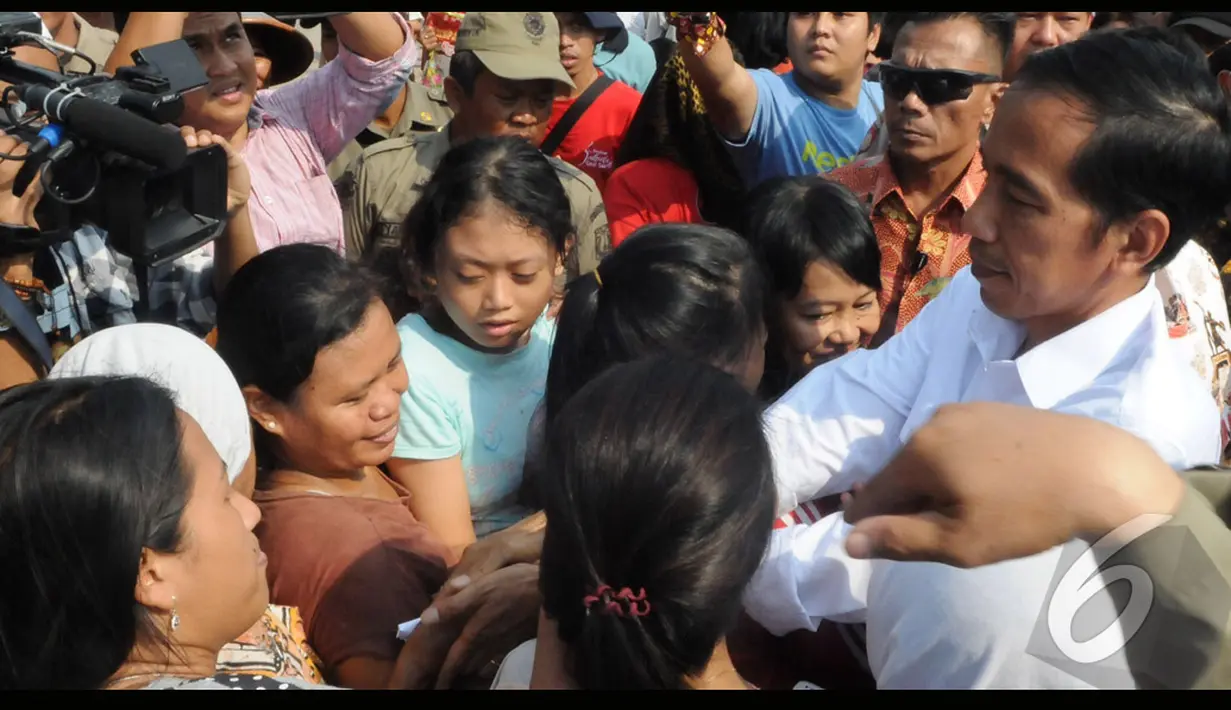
(479, 405)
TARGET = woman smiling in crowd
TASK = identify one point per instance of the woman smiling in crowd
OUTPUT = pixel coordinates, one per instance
(319, 361)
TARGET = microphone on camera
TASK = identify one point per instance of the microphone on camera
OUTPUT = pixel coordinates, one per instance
(108, 125)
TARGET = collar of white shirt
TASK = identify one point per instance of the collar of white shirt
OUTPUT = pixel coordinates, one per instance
(1066, 364)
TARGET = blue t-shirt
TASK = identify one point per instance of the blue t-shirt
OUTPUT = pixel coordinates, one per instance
(479, 405)
(795, 134)
(635, 66)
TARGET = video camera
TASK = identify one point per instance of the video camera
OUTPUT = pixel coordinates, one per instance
(105, 158)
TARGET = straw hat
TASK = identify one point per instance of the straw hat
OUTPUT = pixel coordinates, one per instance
(290, 52)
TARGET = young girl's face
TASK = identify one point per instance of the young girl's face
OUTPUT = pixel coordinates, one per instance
(494, 277)
(831, 315)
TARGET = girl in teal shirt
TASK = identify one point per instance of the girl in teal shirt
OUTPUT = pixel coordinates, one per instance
(488, 235)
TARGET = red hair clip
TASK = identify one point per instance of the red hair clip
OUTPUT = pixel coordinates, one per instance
(615, 604)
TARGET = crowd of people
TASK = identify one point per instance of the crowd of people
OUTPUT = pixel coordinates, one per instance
(586, 350)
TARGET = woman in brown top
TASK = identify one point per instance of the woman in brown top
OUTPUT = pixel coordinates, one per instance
(316, 353)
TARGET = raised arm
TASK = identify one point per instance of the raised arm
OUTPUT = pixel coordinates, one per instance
(376, 53)
(145, 29)
(728, 90)
(843, 422)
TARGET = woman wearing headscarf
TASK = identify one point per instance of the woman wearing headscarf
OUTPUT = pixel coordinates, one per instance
(205, 389)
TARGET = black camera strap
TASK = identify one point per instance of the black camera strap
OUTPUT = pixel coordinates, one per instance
(25, 324)
(574, 112)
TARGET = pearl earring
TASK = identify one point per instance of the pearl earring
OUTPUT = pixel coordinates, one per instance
(271, 426)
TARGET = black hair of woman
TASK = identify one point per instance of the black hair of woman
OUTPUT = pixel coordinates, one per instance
(791, 222)
(90, 476)
(279, 311)
(671, 123)
(504, 169)
(690, 290)
(663, 483)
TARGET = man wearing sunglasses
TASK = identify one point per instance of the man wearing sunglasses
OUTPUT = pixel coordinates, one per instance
(1106, 156)
(941, 85)
(1037, 31)
(810, 120)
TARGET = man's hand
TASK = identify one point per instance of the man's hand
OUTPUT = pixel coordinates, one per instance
(983, 482)
(428, 40)
(239, 182)
(497, 551)
(478, 622)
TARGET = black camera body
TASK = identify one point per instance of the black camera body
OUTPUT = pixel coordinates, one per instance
(105, 157)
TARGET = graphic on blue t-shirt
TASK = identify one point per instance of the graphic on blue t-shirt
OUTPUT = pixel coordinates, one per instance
(795, 134)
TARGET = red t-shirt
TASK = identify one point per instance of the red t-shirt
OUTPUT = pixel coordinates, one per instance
(592, 144)
(650, 191)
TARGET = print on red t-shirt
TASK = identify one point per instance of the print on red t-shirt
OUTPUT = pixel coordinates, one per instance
(596, 137)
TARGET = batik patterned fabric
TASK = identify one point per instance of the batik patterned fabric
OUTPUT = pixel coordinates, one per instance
(277, 646)
(1196, 309)
(918, 255)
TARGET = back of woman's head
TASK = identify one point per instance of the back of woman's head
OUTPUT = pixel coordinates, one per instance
(90, 475)
(504, 169)
(662, 485)
(689, 290)
(285, 306)
(671, 123)
(794, 221)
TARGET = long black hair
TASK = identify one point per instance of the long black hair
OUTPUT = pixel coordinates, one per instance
(91, 474)
(686, 289)
(792, 222)
(662, 483)
(671, 123)
(279, 311)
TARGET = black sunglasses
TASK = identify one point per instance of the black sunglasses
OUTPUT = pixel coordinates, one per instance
(932, 86)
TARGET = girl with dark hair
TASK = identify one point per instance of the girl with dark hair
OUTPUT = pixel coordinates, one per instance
(488, 234)
(672, 166)
(639, 596)
(822, 263)
(688, 290)
(320, 364)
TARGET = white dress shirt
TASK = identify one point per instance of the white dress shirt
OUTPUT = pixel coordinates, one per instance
(930, 625)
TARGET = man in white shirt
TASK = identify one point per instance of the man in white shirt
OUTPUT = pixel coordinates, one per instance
(1105, 157)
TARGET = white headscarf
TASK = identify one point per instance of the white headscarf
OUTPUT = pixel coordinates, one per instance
(201, 382)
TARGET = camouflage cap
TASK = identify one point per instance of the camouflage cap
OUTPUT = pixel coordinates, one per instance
(515, 45)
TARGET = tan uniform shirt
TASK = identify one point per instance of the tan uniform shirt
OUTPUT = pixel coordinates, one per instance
(423, 113)
(1188, 646)
(380, 188)
(93, 42)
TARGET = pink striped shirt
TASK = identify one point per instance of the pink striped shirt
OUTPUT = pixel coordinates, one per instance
(296, 129)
